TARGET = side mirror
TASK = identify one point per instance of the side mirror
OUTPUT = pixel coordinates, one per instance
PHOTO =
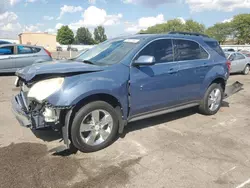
(144, 60)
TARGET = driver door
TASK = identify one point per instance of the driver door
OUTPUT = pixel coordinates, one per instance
(153, 87)
(6, 57)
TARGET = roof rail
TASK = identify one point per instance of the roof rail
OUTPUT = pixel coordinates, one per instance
(188, 33)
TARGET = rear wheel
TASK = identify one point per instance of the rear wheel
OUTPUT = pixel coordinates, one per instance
(212, 100)
(94, 126)
(246, 70)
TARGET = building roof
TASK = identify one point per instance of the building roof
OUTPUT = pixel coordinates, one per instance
(44, 33)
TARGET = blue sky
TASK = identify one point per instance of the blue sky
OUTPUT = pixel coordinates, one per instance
(119, 17)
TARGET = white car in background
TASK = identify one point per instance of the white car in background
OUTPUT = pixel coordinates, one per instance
(240, 63)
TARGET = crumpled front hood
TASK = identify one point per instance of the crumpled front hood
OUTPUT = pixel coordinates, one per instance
(56, 68)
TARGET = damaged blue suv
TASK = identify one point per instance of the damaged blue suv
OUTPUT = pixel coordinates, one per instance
(90, 98)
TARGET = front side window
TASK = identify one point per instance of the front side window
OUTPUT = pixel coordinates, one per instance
(185, 50)
(7, 50)
(24, 50)
(109, 52)
(161, 50)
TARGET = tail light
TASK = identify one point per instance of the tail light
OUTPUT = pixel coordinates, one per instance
(49, 54)
(228, 64)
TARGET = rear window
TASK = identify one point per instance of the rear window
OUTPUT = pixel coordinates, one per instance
(216, 47)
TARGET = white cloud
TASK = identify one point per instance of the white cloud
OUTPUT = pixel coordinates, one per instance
(31, 1)
(94, 16)
(9, 25)
(50, 30)
(32, 28)
(198, 5)
(227, 20)
(58, 26)
(92, 1)
(69, 9)
(13, 2)
(183, 21)
(8, 17)
(49, 18)
(144, 23)
(150, 3)
(220, 5)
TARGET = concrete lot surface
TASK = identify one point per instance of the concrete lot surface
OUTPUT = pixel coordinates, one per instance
(183, 149)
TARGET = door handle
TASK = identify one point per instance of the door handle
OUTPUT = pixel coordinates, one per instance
(172, 71)
(205, 65)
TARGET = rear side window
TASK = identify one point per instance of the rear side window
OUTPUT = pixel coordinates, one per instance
(185, 50)
(216, 47)
(27, 50)
(161, 49)
(7, 50)
(35, 50)
(239, 56)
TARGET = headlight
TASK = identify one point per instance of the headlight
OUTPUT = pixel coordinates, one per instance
(43, 89)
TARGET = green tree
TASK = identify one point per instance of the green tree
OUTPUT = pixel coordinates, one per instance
(220, 31)
(176, 25)
(99, 34)
(171, 25)
(65, 35)
(83, 36)
(193, 26)
(241, 28)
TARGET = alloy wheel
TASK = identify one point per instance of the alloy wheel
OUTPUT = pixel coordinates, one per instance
(214, 100)
(96, 127)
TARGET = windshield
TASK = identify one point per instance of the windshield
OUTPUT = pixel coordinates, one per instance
(109, 52)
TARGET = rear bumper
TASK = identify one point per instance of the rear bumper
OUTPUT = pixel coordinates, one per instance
(19, 112)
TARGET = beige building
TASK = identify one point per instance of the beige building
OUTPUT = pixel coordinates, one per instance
(46, 40)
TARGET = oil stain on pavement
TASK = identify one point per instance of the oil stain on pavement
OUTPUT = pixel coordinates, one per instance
(31, 165)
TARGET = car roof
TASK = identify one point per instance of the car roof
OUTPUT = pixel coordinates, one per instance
(26, 45)
(156, 36)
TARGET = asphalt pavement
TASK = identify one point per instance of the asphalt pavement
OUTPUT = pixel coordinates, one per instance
(181, 149)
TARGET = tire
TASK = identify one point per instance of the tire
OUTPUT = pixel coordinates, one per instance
(80, 139)
(246, 70)
(205, 107)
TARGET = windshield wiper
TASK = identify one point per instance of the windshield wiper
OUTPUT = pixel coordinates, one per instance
(88, 62)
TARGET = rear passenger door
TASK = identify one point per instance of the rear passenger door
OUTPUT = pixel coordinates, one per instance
(25, 56)
(241, 62)
(194, 64)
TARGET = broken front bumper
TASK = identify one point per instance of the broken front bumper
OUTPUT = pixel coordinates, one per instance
(18, 108)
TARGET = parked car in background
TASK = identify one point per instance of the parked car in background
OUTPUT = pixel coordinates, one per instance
(4, 42)
(72, 49)
(59, 48)
(246, 53)
(91, 98)
(229, 50)
(15, 56)
(240, 63)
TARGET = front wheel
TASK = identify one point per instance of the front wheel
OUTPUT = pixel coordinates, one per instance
(94, 127)
(212, 100)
